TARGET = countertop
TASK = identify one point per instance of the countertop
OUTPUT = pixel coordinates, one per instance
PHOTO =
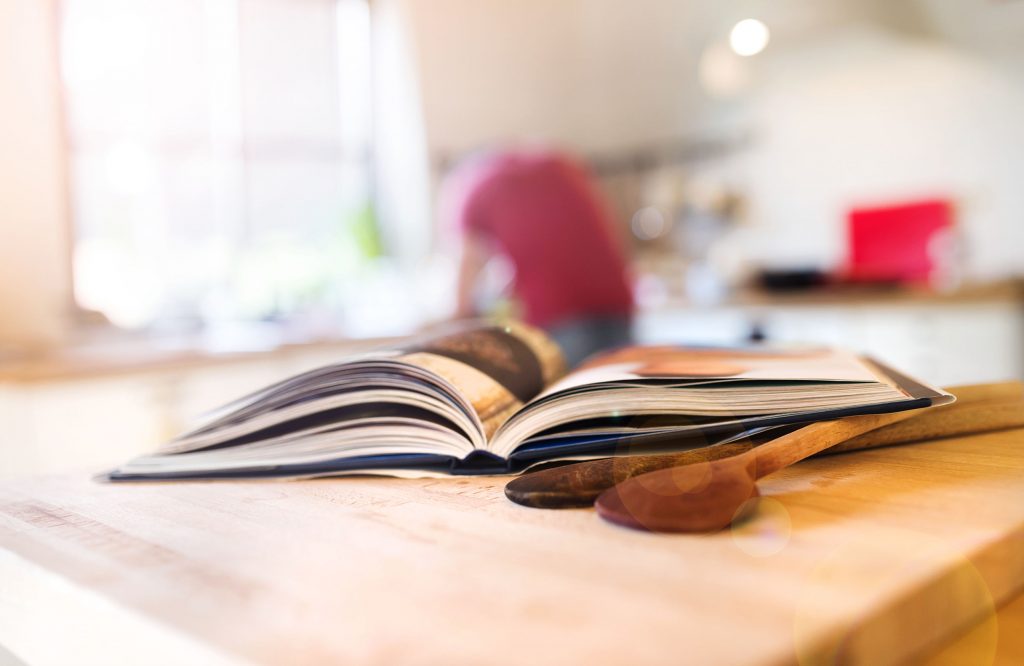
(874, 557)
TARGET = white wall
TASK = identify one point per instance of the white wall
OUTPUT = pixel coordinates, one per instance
(588, 73)
(592, 74)
(862, 116)
(992, 28)
(34, 266)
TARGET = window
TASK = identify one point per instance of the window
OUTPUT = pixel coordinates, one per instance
(220, 156)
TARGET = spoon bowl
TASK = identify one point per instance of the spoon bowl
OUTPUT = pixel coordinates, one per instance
(704, 497)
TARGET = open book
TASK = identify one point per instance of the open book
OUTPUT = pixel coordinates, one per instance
(485, 399)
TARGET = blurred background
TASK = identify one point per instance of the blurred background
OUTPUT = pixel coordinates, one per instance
(201, 196)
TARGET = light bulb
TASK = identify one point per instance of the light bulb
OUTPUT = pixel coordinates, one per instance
(749, 37)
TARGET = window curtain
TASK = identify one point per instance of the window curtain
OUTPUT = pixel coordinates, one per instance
(401, 166)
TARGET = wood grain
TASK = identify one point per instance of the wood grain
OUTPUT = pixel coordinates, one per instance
(945, 421)
(873, 557)
(996, 640)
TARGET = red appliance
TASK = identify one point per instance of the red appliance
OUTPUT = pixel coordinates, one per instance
(897, 243)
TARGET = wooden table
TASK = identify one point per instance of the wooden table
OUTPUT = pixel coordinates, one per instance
(875, 557)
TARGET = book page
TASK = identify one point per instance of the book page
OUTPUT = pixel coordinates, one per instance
(700, 390)
(632, 364)
(497, 369)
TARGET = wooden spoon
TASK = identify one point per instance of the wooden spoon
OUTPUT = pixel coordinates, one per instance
(979, 408)
(707, 496)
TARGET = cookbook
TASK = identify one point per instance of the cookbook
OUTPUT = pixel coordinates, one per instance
(479, 398)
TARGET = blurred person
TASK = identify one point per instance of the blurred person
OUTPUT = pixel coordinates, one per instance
(540, 209)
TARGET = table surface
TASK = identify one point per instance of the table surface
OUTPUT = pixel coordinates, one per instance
(874, 557)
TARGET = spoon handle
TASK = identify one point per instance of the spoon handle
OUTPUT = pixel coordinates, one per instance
(799, 444)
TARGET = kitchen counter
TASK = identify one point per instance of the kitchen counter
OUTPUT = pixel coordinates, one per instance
(112, 359)
(874, 557)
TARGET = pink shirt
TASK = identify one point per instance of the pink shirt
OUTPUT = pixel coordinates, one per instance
(542, 211)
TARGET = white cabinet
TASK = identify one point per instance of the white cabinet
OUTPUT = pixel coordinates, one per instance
(943, 342)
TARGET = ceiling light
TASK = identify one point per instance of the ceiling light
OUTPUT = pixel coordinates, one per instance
(749, 37)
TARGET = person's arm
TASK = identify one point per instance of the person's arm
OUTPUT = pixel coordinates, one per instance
(473, 256)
